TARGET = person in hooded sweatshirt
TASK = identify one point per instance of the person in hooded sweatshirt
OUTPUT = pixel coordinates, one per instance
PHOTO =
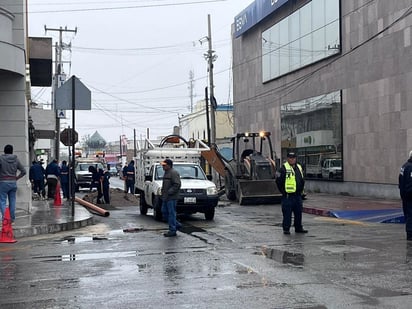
(9, 164)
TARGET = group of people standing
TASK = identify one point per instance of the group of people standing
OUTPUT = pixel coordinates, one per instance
(290, 182)
(54, 173)
(41, 177)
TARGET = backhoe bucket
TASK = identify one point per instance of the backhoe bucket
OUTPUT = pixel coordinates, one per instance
(258, 192)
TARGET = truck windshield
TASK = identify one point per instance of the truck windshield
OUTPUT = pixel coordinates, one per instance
(336, 163)
(85, 166)
(185, 172)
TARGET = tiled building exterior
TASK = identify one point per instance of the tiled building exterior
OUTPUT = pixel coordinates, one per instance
(371, 70)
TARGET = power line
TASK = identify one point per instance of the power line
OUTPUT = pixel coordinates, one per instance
(301, 80)
(125, 7)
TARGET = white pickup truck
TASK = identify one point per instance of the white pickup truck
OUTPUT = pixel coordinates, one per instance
(332, 169)
(197, 192)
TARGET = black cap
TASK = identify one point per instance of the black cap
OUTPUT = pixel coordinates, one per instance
(291, 154)
(167, 162)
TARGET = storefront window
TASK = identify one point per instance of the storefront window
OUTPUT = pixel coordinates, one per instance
(313, 128)
(308, 35)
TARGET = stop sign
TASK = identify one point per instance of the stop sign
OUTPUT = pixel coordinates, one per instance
(69, 137)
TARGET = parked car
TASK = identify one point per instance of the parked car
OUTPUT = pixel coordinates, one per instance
(332, 169)
(82, 174)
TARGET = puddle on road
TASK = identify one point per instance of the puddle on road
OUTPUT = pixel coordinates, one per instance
(283, 256)
(113, 255)
(189, 229)
(382, 292)
(86, 256)
(240, 269)
(82, 239)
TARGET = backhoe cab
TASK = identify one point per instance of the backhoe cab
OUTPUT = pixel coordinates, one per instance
(250, 174)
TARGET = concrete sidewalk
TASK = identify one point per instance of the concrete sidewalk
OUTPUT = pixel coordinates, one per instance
(47, 218)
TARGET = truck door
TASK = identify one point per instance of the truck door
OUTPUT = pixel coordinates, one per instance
(325, 169)
(148, 187)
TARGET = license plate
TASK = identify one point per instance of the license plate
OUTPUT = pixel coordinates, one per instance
(189, 200)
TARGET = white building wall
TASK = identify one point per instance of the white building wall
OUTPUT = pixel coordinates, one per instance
(194, 125)
(13, 104)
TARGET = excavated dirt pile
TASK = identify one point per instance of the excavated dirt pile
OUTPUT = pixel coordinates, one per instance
(117, 199)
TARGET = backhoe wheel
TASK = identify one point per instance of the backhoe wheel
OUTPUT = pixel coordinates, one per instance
(230, 193)
(157, 208)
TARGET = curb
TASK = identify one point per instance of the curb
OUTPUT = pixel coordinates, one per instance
(51, 228)
(317, 211)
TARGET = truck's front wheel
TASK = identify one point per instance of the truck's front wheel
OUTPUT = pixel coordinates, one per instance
(143, 204)
(210, 214)
(157, 208)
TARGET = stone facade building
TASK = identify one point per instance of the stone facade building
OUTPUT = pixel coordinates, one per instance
(330, 79)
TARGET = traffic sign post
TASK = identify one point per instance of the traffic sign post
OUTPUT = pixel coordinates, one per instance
(69, 137)
(74, 95)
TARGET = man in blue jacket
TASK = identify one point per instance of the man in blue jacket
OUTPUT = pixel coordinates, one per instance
(52, 177)
(405, 190)
(64, 179)
(130, 177)
(36, 176)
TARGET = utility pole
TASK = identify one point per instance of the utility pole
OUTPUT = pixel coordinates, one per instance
(58, 80)
(211, 57)
(191, 87)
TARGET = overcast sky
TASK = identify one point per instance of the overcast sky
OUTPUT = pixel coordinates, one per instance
(135, 56)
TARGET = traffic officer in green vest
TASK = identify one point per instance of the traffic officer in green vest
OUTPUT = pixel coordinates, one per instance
(291, 183)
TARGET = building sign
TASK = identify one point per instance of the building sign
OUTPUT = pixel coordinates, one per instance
(61, 114)
(255, 13)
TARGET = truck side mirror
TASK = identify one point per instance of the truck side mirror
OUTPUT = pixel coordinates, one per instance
(147, 178)
(209, 177)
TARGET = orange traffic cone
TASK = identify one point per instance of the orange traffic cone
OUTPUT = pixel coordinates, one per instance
(7, 229)
(57, 196)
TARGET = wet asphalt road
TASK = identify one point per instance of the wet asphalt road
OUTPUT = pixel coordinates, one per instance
(239, 260)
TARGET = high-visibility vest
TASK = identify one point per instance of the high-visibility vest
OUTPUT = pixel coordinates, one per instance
(290, 181)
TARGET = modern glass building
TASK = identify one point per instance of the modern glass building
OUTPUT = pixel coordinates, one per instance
(330, 79)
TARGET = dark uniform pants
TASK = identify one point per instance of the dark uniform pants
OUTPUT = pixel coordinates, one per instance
(292, 203)
(407, 212)
(51, 187)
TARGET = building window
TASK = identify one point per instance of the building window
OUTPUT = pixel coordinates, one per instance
(313, 128)
(310, 34)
